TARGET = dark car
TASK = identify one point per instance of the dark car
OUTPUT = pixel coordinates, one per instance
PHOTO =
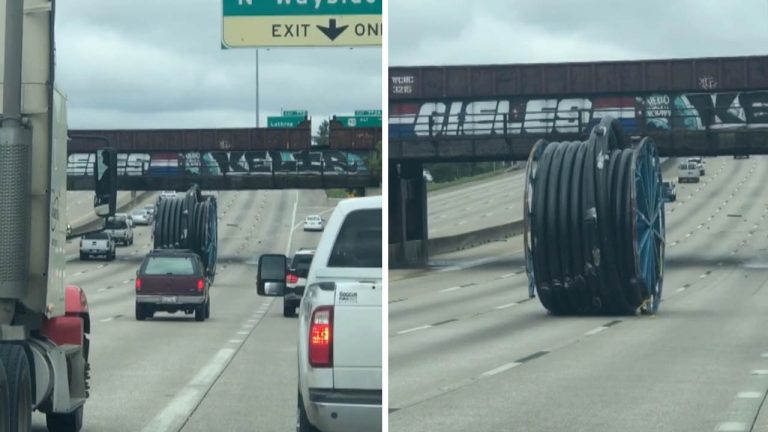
(172, 280)
(296, 279)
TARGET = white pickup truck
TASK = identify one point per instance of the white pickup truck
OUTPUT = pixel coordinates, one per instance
(340, 321)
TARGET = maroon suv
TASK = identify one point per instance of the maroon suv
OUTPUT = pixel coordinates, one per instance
(172, 280)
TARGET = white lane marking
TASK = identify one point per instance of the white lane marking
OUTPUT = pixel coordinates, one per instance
(764, 355)
(293, 221)
(508, 305)
(235, 341)
(242, 333)
(126, 281)
(731, 427)
(101, 289)
(508, 275)
(700, 226)
(411, 330)
(759, 372)
(107, 319)
(681, 289)
(252, 320)
(176, 412)
(78, 273)
(100, 266)
(687, 235)
(703, 275)
(462, 222)
(500, 369)
(450, 289)
(750, 395)
(595, 331)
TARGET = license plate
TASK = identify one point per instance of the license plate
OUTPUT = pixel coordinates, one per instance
(166, 299)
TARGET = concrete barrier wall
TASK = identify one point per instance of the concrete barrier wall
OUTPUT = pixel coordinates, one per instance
(93, 222)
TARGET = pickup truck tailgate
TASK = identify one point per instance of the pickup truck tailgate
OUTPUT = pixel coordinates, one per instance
(357, 335)
(175, 285)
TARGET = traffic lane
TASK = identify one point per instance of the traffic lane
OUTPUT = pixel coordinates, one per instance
(671, 374)
(263, 373)
(483, 332)
(476, 284)
(155, 358)
(101, 280)
(482, 204)
(458, 271)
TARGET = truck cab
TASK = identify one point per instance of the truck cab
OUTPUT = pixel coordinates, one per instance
(340, 321)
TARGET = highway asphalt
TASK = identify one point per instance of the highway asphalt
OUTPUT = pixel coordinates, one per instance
(469, 351)
(234, 372)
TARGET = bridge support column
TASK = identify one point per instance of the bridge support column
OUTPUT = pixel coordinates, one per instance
(408, 231)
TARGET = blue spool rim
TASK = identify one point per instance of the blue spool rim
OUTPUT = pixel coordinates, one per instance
(530, 175)
(648, 220)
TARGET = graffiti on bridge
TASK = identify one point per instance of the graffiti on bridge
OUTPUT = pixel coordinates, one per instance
(226, 163)
(662, 111)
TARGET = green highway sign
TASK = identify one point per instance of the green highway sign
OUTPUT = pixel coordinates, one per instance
(284, 121)
(301, 23)
(359, 121)
(368, 113)
(295, 113)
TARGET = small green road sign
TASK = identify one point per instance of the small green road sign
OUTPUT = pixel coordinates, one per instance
(284, 121)
(368, 113)
(295, 113)
(359, 121)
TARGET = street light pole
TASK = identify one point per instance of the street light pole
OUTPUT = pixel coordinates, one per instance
(257, 87)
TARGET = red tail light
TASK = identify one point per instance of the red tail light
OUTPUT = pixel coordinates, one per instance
(138, 284)
(291, 278)
(200, 285)
(321, 337)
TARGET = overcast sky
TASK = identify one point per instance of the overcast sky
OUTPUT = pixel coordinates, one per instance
(157, 64)
(443, 32)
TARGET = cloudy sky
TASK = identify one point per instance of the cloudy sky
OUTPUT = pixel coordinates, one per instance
(154, 64)
(443, 32)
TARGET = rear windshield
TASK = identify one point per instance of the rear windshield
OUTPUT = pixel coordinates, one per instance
(301, 264)
(97, 236)
(116, 224)
(359, 241)
(175, 266)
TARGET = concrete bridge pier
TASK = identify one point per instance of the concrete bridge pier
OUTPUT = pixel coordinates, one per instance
(408, 230)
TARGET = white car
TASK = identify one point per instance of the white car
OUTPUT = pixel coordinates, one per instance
(141, 217)
(340, 321)
(699, 161)
(688, 171)
(167, 194)
(313, 223)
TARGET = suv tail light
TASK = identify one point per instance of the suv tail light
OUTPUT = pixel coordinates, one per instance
(291, 278)
(200, 285)
(138, 284)
(321, 337)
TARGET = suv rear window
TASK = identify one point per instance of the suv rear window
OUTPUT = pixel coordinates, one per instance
(116, 224)
(96, 236)
(165, 265)
(359, 241)
(301, 263)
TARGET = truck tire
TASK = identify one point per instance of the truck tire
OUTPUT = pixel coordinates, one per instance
(289, 309)
(5, 413)
(302, 421)
(83, 257)
(208, 308)
(16, 363)
(69, 422)
(140, 315)
(200, 312)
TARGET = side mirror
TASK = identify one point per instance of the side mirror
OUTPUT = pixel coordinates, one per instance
(270, 281)
(105, 181)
